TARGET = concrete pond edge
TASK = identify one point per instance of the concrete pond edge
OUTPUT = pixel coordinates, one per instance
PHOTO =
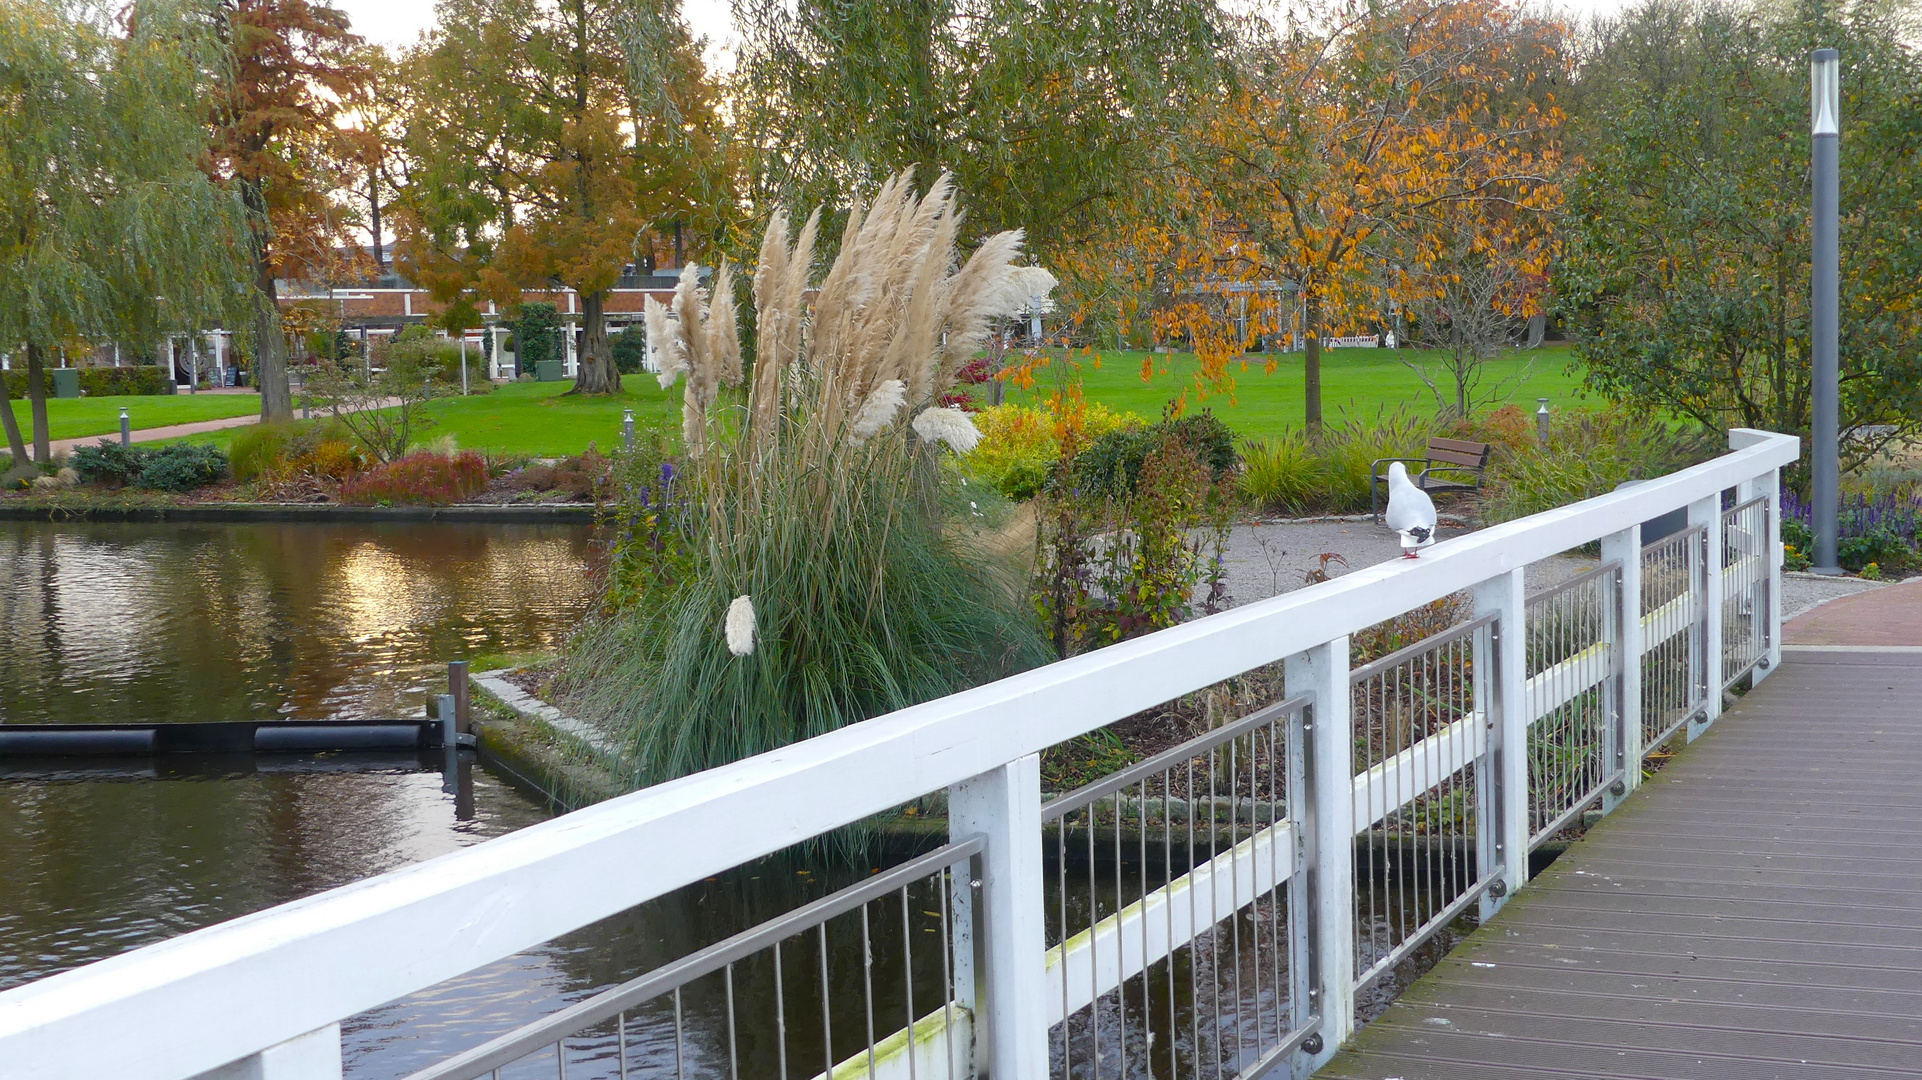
(538, 748)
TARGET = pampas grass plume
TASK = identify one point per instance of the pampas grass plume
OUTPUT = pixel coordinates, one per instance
(879, 410)
(723, 335)
(663, 342)
(740, 626)
(951, 426)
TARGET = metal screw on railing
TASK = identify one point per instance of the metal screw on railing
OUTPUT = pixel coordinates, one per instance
(1763, 663)
(1541, 422)
(1311, 1045)
(126, 428)
(1618, 789)
(627, 428)
(1498, 888)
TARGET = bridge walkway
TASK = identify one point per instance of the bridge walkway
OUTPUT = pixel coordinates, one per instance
(1753, 912)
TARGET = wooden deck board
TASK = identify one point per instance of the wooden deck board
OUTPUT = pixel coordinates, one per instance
(1753, 912)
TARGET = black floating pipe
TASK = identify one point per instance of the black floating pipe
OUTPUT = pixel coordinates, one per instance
(61, 742)
(339, 737)
(231, 737)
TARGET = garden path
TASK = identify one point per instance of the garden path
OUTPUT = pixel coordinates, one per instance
(155, 434)
(1269, 558)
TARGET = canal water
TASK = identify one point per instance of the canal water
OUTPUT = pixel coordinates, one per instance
(117, 623)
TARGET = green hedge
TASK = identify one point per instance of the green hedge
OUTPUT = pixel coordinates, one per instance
(101, 381)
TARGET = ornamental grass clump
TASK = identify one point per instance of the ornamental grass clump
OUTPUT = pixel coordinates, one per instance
(817, 573)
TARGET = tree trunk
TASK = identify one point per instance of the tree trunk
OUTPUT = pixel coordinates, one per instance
(270, 348)
(270, 344)
(596, 373)
(37, 394)
(373, 221)
(1311, 363)
(15, 444)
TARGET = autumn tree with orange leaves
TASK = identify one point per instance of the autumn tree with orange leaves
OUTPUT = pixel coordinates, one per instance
(290, 66)
(1335, 149)
(553, 144)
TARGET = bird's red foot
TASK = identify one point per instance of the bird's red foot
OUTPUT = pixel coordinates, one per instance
(1409, 555)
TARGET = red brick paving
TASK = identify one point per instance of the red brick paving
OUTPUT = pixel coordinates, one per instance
(1879, 617)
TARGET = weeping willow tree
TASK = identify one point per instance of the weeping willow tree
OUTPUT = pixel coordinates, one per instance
(109, 231)
(1051, 114)
(826, 576)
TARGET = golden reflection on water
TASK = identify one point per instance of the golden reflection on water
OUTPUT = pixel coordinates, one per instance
(128, 623)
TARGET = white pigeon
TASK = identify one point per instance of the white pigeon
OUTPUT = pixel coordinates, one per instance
(1410, 511)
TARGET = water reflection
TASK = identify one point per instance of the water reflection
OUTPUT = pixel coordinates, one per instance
(94, 867)
(116, 623)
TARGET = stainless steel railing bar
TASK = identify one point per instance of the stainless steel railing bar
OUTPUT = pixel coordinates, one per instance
(609, 1003)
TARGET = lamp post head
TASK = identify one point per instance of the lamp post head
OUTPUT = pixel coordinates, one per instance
(1825, 93)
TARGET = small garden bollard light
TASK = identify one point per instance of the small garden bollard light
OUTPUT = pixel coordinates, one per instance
(627, 428)
(126, 428)
(1541, 422)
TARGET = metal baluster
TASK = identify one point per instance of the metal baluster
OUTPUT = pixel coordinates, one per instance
(1194, 940)
(1214, 902)
(1061, 897)
(780, 1012)
(1094, 953)
(946, 882)
(907, 965)
(1120, 953)
(733, 1046)
(1147, 996)
(867, 985)
(1168, 874)
(620, 1035)
(680, 1047)
(827, 1024)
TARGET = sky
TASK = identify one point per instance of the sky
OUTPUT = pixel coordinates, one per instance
(400, 22)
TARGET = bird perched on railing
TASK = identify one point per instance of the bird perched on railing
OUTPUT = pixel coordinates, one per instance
(1410, 511)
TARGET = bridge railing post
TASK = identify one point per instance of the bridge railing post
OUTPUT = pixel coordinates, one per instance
(1328, 854)
(1707, 670)
(1011, 1024)
(1768, 484)
(1501, 695)
(1623, 748)
(313, 1056)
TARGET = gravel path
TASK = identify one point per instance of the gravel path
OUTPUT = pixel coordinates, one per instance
(1803, 592)
(1270, 558)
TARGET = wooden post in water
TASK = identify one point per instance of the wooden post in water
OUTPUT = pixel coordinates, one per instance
(457, 689)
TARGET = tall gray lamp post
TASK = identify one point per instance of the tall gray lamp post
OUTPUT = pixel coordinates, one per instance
(1825, 107)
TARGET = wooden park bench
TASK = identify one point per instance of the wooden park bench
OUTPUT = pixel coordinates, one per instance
(1461, 464)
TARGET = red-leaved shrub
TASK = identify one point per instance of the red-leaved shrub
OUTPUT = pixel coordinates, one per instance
(420, 478)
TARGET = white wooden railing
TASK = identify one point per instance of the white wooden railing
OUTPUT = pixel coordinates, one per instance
(262, 997)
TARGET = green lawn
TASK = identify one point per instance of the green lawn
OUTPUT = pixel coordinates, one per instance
(542, 420)
(73, 418)
(1361, 380)
(536, 419)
